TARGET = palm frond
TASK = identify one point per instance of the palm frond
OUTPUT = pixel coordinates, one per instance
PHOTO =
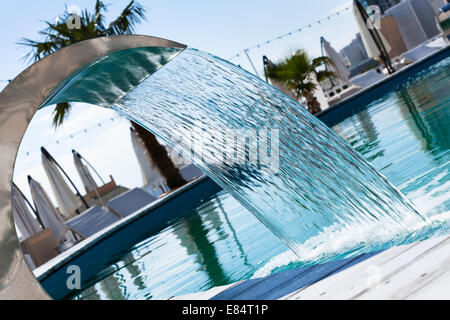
(297, 73)
(99, 8)
(60, 113)
(320, 61)
(293, 69)
(324, 75)
(58, 35)
(132, 15)
(38, 49)
(307, 87)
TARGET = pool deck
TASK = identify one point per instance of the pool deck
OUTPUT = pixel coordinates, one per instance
(411, 272)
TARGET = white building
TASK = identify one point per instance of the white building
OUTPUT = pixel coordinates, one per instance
(355, 52)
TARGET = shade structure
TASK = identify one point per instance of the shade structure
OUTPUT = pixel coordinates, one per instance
(149, 171)
(49, 215)
(84, 173)
(370, 44)
(338, 63)
(26, 223)
(66, 199)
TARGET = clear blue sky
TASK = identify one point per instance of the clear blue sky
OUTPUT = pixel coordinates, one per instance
(222, 28)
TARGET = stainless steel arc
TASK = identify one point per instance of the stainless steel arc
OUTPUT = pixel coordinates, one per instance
(19, 101)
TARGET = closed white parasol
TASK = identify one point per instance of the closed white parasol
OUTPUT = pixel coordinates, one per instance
(84, 173)
(47, 212)
(26, 223)
(338, 63)
(67, 201)
(370, 44)
(150, 173)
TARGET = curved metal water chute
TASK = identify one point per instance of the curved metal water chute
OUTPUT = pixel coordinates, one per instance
(89, 71)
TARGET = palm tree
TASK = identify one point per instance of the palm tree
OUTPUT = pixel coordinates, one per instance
(58, 35)
(301, 74)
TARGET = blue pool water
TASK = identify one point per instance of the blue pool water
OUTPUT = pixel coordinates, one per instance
(404, 134)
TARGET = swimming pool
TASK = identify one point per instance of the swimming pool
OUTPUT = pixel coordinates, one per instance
(404, 133)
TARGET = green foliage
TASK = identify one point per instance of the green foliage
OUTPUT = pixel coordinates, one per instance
(298, 71)
(60, 113)
(58, 35)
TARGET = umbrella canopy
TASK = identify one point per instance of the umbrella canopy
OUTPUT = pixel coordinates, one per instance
(24, 220)
(67, 201)
(149, 171)
(84, 173)
(338, 63)
(369, 42)
(49, 215)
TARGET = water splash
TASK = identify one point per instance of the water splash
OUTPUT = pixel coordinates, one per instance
(336, 244)
(320, 184)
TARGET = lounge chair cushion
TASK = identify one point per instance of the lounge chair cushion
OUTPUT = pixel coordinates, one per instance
(419, 53)
(130, 202)
(368, 78)
(92, 221)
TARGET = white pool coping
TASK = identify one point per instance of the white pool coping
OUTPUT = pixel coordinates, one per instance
(415, 271)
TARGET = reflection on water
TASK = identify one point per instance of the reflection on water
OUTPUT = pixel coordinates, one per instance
(405, 134)
(366, 130)
(216, 244)
(207, 254)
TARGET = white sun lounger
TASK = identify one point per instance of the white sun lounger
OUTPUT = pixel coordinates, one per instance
(91, 221)
(129, 202)
(368, 78)
(419, 53)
